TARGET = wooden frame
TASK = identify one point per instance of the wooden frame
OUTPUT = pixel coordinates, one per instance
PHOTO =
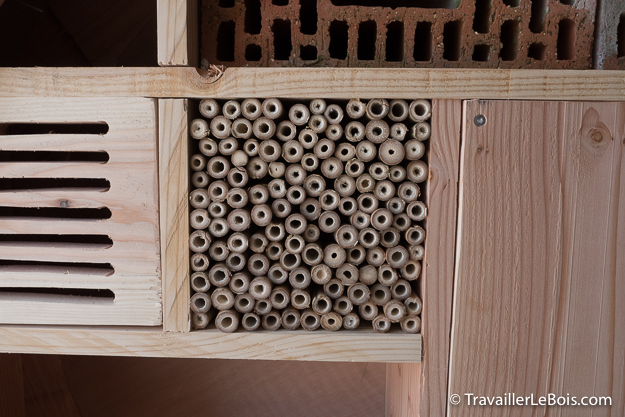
(177, 32)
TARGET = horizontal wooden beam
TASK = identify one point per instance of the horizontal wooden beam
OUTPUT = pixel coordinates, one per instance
(181, 82)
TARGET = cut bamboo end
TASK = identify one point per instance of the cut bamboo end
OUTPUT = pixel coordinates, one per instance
(219, 251)
(222, 299)
(395, 311)
(368, 310)
(260, 288)
(318, 106)
(413, 305)
(380, 294)
(250, 322)
(242, 129)
(221, 127)
(277, 275)
(310, 320)
(359, 293)
(280, 297)
(199, 129)
(251, 108)
(381, 324)
(351, 321)
(411, 324)
(343, 305)
(331, 321)
(377, 108)
(209, 108)
(272, 108)
(227, 321)
(240, 283)
(200, 282)
(262, 307)
(321, 274)
(300, 298)
(321, 303)
(291, 318)
(299, 114)
(244, 303)
(200, 303)
(272, 321)
(420, 110)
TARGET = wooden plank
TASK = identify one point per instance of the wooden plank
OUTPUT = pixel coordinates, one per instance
(403, 389)
(174, 213)
(539, 297)
(11, 385)
(183, 82)
(321, 345)
(177, 33)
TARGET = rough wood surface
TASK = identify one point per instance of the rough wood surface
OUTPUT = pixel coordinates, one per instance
(11, 386)
(170, 82)
(403, 389)
(133, 226)
(356, 346)
(174, 213)
(177, 32)
(539, 295)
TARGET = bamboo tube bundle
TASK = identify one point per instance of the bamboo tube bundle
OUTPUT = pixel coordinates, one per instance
(307, 215)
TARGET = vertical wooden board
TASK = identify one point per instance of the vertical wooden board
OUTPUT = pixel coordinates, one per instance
(174, 213)
(403, 389)
(11, 386)
(177, 32)
(537, 280)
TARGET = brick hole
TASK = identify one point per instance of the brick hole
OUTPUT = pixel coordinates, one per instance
(510, 40)
(395, 41)
(537, 51)
(253, 52)
(308, 16)
(566, 40)
(280, 2)
(308, 52)
(538, 15)
(225, 41)
(393, 4)
(512, 3)
(481, 19)
(253, 17)
(226, 3)
(452, 32)
(481, 53)
(367, 33)
(423, 42)
(568, 2)
(282, 45)
(620, 37)
(338, 39)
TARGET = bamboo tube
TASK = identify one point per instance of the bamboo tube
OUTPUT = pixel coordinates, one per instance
(295, 174)
(348, 206)
(264, 128)
(258, 194)
(277, 275)
(343, 306)
(411, 270)
(244, 303)
(354, 131)
(366, 151)
(199, 262)
(356, 255)
(296, 194)
(318, 106)
(239, 220)
(415, 235)
(237, 198)
(199, 241)
(390, 237)
(299, 278)
(209, 108)
(240, 283)
(258, 242)
(276, 188)
(345, 151)
(299, 114)
(199, 282)
(416, 252)
(365, 183)
(310, 162)
(334, 132)
(369, 237)
(290, 261)
(258, 264)
(379, 171)
(235, 261)
(398, 131)
(380, 294)
(413, 304)
(238, 242)
(197, 162)
(300, 298)
(218, 167)
(381, 219)
(421, 131)
(218, 191)
(321, 274)
(218, 251)
(420, 110)
(324, 149)
(351, 321)
(250, 147)
(269, 150)
(257, 168)
(231, 109)
(290, 318)
(272, 321)
(242, 129)
(414, 150)
(280, 297)
(312, 233)
(331, 168)
(358, 293)
(396, 205)
(310, 209)
(401, 290)
(199, 199)
(310, 320)
(408, 191)
(199, 320)
(199, 179)
(318, 123)
(381, 324)
(329, 200)
(346, 236)
(286, 131)
(260, 288)
(199, 129)
(237, 177)
(274, 250)
(321, 303)
(329, 221)
(377, 131)
(345, 185)
(314, 185)
(221, 127)
(347, 273)
(391, 152)
(198, 219)
(218, 227)
(308, 138)
(251, 108)
(208, 147)
(228, 146)
(368, 310)
(394, 310)
(387, 275)
(368, 275)
(292, 151)
(295, 224)
(334, 114)
(227, 321)
(411, 324)
(417, 171)
(272, 108)
(222, 299)
(355, 108)
(277, 169)
(355, 168)
(200, 303)
(331, 321)
(217, 210)
(262, 307)
(250, 322)
(377, 108)
(295, 244)
(398, 110)
(417, 211)
(334, 288)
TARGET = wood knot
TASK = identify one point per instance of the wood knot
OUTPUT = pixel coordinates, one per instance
(64, 204)
(479, 148)
(596, 136)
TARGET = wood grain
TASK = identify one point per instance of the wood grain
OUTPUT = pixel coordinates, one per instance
(356, 346)
(177, 32)
(403, 389)
(539, 291)
(183, 82)
(11, 386)
(174, 213)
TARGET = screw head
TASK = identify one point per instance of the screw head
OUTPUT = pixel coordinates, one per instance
(479, 120)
